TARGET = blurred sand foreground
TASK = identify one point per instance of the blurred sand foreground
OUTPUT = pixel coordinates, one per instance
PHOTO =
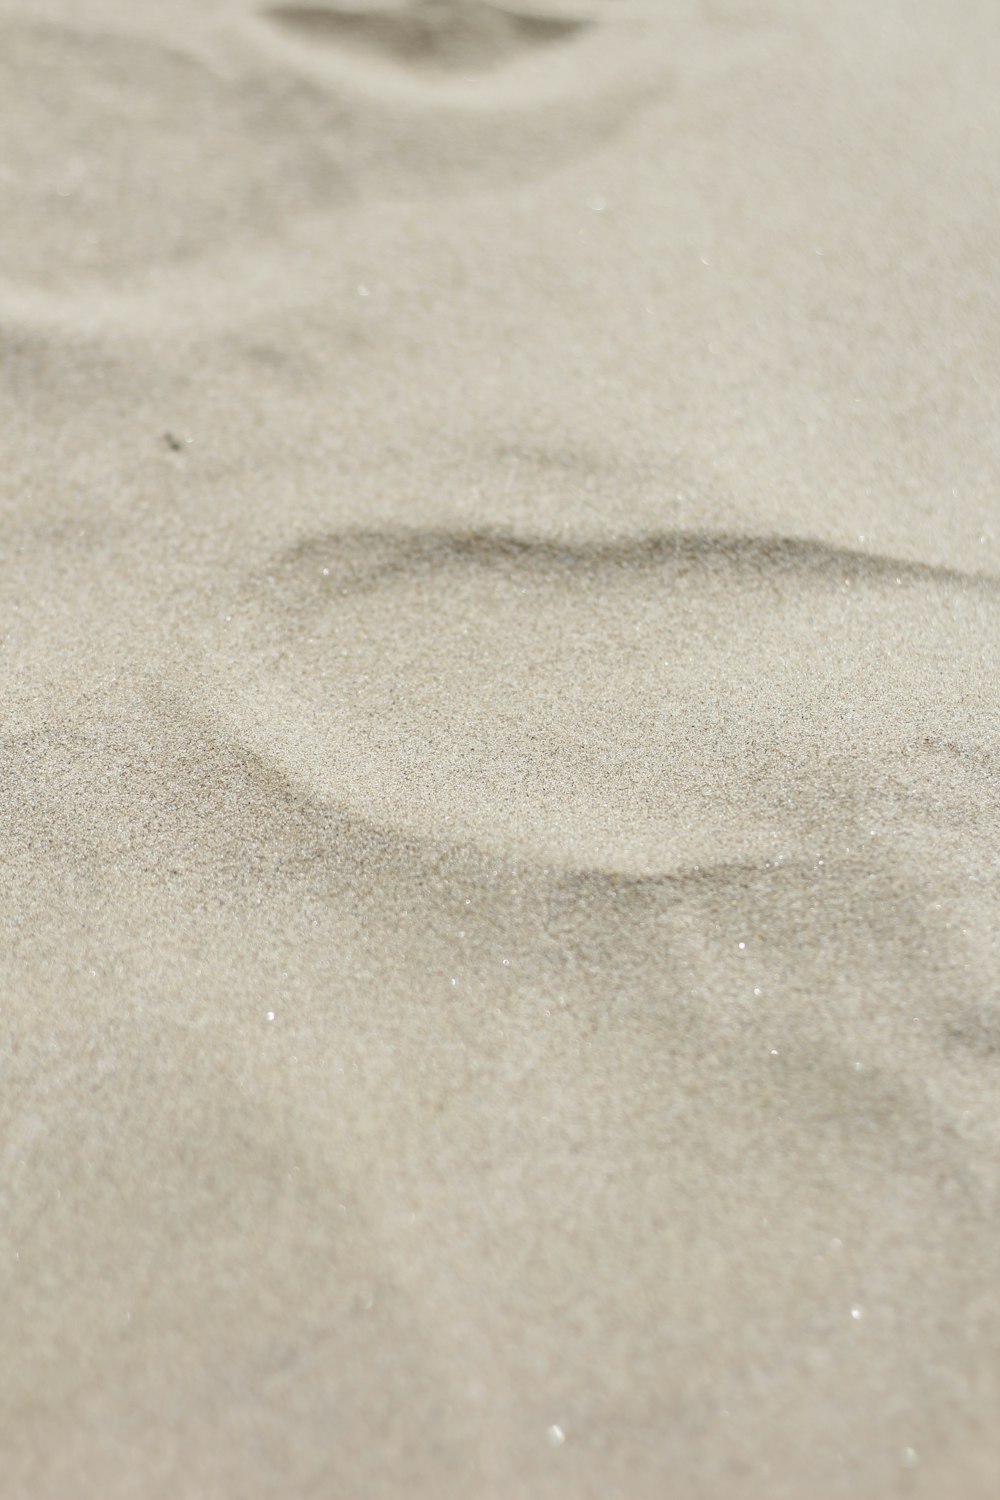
(500, 571)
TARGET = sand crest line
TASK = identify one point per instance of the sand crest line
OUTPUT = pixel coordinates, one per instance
(433, 36)
(363, 559)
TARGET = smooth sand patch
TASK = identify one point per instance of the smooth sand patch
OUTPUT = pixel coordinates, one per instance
(499, 750)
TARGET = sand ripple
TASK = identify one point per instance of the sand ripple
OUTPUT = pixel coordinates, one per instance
(641, 705)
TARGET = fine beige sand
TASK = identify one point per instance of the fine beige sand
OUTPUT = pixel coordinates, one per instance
(500, 750)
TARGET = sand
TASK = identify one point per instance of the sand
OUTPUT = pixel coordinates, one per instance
(500, 780)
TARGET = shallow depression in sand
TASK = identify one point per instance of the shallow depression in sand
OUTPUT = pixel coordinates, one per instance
(120, 153)
(638, 706)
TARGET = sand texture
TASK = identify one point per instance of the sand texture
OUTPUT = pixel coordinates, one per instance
(499, 750)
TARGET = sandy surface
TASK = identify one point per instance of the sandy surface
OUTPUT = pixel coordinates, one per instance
(500, 782)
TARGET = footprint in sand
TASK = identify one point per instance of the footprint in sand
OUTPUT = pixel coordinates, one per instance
(637, 707)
